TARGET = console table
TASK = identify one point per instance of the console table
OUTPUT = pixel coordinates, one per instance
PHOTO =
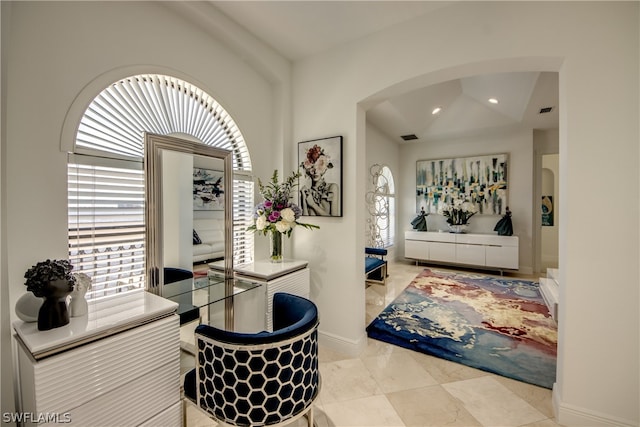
(118, 365)
(291, 276)
(478, 250)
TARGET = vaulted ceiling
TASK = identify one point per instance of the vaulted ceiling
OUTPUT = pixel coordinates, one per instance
(527, 100)
(298, 29)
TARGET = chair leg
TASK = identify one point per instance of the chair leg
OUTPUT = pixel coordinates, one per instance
(184, 412)
(309, 415)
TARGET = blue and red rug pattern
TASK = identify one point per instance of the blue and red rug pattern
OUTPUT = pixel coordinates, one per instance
(500, 325)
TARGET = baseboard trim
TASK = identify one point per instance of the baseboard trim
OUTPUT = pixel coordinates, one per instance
(351, 348)
(571, 415)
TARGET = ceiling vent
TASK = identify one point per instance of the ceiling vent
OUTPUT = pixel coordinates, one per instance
(546, 110)
(409, 137)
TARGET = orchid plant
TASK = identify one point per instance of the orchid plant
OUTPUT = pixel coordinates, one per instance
(458, 212)
(276, 213)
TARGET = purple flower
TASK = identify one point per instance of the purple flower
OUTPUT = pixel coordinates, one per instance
(274, 216)
(268, 203)
(296, 209)
(259, 210)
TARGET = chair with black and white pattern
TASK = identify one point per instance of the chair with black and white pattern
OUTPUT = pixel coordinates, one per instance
(261, 379)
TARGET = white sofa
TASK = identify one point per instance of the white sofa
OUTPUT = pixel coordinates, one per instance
(211, 234)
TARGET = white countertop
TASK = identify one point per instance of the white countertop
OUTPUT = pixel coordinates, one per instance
(264, 269)
(105, 317)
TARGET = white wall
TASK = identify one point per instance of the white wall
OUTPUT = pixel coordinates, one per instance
(58, 56)
(6, 374)
(545, 142)
(519, 147)
(549, 234)
(594, 47)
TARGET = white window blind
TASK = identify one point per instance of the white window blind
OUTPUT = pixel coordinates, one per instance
(106, 224)
(106, 198)
(243, 241)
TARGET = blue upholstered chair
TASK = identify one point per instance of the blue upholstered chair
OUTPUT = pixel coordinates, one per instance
(260, 379)
(375, 266)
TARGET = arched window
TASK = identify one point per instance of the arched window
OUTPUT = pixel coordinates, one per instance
(382, 207)
(106, 180)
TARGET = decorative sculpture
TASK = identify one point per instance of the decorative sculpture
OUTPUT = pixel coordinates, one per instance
(420, 222)
(377, 206)
(53, 281)
(78, 305)
(504, 227)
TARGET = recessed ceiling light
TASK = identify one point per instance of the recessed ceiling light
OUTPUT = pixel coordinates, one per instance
(436, 110)
(493, 100)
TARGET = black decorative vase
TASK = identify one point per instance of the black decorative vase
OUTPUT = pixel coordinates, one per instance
(53, 312)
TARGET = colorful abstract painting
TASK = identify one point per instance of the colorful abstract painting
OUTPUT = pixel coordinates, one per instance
(499, 325)
(481, 179)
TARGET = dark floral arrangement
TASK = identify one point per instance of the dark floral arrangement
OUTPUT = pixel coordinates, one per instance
(39, 275)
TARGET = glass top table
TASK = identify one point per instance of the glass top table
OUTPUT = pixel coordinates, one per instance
(212, 292)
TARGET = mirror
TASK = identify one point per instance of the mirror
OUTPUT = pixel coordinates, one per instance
(189, 187)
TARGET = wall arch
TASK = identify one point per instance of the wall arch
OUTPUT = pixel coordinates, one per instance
(380, 94)
(504, 65)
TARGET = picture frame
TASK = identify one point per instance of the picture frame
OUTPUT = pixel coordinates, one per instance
(208, 190)
(320, 182)
(480, 180)
(547, 211)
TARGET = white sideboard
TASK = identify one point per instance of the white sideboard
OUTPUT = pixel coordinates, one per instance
(118, 365)
(480, 250)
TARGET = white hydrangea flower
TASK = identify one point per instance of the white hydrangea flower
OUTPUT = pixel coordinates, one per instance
(283, 226)
(288, 214)
(261, 222)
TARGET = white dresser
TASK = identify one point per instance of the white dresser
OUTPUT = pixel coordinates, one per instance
(479, 250)
(119, 365)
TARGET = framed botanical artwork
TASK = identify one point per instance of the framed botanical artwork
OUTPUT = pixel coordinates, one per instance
(320, 184)
(480, 180)
(208, 190)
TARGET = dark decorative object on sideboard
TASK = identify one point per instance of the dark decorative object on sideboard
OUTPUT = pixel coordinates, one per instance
(420, 222)
(52, 280)
(504, 226)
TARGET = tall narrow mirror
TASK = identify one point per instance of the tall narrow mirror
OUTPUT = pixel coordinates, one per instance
(188, 210)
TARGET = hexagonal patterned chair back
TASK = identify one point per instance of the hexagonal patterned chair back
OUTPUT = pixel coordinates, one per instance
(267, 378)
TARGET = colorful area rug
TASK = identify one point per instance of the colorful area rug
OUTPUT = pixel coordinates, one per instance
(499, 325)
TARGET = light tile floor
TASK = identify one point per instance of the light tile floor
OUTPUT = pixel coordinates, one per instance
(391, 386)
